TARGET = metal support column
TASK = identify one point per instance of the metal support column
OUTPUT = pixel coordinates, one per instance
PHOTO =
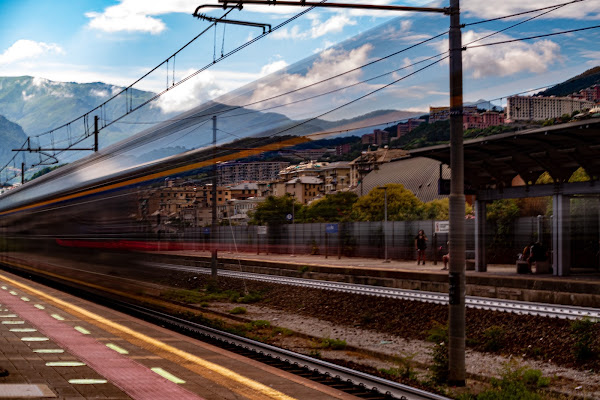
(456, 317)
(480, 220)
(213, 228)
(561, 235)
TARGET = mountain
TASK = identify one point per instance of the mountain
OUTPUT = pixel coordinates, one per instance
(38, 104)
(588, 78)
(12, 136)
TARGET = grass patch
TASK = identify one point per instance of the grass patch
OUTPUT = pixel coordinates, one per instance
(333, 344)
(584, 331)
(515, 384)
(238, 311)
(494, 338)
(438, 335)
(183, 296)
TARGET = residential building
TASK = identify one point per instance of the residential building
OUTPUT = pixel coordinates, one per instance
(304, 188)
(335, 176)
(308, 168)
(233, 173)
(244, 191)
(537, 108)
(443, 113)
(483, 120)
(343, 149)
(407, 127)
(371, 160)
(377, 138)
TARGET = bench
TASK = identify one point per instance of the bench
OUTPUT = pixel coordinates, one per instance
(523, 267)
(542, 267)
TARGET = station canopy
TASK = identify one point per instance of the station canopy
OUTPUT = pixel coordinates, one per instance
(493, 162)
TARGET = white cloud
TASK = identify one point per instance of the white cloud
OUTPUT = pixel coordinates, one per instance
(138, 15)
(492, 9)
(203, 87)
(334, 24)
(142, 15)
(128, 23)
(273, 67)
(504, 60)
(28, 49)
(329, 63)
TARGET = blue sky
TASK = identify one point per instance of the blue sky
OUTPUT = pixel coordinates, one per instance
(117, 41)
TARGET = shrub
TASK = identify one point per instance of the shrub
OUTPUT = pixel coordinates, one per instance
(584, 331)
(494, 338)
(333, 344)
(516, 384)
(438, 334)
(238, 310)
(252, 297)
(261, 324)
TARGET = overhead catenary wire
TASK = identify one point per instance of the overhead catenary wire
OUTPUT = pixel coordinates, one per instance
(107, 123)
(521, 13)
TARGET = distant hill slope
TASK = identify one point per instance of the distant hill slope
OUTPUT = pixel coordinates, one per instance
(11, 136)
(38, 104)
(575, 84)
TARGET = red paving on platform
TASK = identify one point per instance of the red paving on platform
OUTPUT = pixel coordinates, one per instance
(136, 380)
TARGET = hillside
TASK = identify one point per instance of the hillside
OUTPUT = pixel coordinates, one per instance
(575, 84)
(37, 104)
(11, 136)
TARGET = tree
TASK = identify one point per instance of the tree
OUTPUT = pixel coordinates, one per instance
(332, 208)
(436, 209)
(402, 205)
(273, 210)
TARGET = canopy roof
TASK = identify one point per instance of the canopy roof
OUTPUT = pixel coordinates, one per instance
(493, 162)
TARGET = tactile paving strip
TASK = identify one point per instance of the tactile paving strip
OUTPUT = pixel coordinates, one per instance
(136, 380)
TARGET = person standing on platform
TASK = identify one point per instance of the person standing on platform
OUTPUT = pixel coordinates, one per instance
(421, 246)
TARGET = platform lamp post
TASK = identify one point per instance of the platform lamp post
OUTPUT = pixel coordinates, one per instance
(385, 220)
(456, 345)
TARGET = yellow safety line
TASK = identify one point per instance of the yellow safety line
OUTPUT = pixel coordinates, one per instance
(259, 387)
(172, 171)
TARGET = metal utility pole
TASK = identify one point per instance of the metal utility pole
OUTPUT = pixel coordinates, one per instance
(457, 197)
(385, 244)
(96, 133)
(22, 173)
(213, 228)
(456, 332)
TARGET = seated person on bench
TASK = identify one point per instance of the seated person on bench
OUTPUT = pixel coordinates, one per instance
(537, 252)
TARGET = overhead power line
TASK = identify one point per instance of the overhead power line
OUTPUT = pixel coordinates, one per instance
(522, 13)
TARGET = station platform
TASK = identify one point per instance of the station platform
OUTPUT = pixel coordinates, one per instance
(54, 345)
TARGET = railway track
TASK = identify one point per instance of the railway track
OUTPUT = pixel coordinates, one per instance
(357, 383)
(482, 303)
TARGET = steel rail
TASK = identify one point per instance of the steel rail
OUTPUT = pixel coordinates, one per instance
(482, 303)
(343, 378)
(375, 384)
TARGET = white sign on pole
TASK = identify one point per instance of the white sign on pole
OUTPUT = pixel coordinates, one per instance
(442, 226)
(261, 230)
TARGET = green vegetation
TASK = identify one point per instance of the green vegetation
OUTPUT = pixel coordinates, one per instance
(210, 294)
(404, 370)
(514, 384)
(575, 84)
(333, 344)
(584, 331)
(438, 335)
(331, 208)
(44, 171)
(238, 311)
(495, 337)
